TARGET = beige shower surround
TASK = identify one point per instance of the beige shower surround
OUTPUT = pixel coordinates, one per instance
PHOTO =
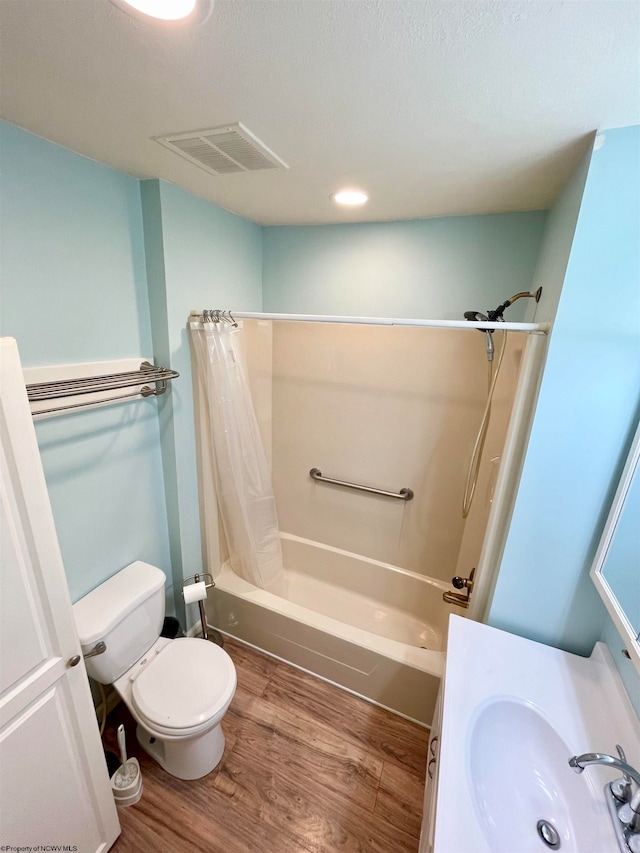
(386, 406)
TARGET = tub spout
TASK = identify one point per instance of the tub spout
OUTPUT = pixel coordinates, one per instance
(456, 598)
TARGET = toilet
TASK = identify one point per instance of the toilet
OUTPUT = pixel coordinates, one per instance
(178, 690)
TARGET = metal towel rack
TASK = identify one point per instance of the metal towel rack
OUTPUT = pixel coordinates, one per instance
(403, 494)
(38, 392)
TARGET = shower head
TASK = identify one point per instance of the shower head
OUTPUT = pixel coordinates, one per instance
(479, 317)
(476, 317)
(496, 315)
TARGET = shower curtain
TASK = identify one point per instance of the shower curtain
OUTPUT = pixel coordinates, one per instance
(243, 479)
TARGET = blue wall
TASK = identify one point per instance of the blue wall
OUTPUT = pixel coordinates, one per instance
(198, 256)
(74, 289)
(628, 672)
(587, 409)
(557, 239)
(73, 278)
(419, 268)
(96, 266)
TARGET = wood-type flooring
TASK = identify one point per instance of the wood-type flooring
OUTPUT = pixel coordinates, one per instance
(307, 768)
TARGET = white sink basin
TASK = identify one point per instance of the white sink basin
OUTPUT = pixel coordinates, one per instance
(515, 712)
(520, 775)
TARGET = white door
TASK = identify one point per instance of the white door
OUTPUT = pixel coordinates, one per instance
(54, 785)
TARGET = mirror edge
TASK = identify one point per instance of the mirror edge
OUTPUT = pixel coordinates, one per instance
(614, 609)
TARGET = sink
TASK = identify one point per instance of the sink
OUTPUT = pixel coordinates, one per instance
(519, 775)
(513, 713)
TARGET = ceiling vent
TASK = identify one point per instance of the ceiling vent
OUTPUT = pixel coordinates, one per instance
(223, 150)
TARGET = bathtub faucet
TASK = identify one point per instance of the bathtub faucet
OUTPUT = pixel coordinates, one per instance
(460, 583)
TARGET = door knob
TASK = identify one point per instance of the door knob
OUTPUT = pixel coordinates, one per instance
(74, 661)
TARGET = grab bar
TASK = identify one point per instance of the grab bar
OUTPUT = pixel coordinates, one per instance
(403, 494)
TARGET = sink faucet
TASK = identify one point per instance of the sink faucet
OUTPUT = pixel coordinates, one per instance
(579, 762)
(627, 805)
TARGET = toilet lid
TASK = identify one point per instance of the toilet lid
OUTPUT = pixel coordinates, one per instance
(188, 683)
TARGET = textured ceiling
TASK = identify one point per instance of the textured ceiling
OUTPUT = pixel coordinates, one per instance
(436, 108)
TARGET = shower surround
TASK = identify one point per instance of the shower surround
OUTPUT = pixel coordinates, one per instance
(389, 407)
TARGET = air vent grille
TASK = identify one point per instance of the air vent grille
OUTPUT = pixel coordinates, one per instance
(223, 150)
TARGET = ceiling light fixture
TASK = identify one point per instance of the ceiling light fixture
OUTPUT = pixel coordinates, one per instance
(350, 198)
(197, 11)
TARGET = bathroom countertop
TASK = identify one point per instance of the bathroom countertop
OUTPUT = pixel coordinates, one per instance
(582, 699)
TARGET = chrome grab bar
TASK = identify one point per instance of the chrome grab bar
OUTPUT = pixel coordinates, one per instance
(403, 494)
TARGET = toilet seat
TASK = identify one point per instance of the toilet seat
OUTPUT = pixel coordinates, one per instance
(186, 688)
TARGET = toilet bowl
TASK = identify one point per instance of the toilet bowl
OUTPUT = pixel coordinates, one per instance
(177, 691)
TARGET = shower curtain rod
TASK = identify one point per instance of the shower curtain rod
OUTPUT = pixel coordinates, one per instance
(540, 328)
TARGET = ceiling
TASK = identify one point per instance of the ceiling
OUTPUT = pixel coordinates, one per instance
(435, 108)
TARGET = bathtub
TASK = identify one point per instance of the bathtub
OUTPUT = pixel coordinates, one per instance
(374, 629)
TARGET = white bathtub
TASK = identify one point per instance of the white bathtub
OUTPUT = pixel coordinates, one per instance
(370, 627)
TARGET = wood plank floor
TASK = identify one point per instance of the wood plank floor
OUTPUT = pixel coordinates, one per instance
(307, 768)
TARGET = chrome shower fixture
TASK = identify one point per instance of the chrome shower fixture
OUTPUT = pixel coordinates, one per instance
(476, 456)
(496, 315)
(479, 317)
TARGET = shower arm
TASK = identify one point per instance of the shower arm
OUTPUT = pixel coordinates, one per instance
(497, 313)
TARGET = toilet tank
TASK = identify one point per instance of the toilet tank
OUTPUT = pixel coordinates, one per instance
(126, 612)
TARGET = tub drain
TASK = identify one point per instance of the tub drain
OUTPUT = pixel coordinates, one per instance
(549, 834)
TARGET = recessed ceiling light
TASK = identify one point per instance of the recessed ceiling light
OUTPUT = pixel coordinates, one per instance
(167, 10)
(351, 198)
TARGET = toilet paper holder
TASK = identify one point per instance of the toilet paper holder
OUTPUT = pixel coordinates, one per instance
(207, 634)
(198, 579)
